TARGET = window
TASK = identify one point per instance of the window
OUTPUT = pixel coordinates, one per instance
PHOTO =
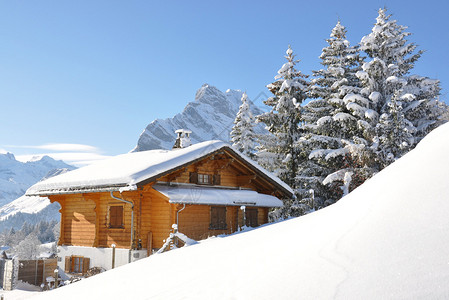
(77, 264)
(116, 216)
(251, 215)
(204, 179)
(218, 217)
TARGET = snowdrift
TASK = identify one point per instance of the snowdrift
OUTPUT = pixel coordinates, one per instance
(387, 239)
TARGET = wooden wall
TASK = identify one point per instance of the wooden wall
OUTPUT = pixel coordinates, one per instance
(121, 237)
(157, 218)
(79, 219)
(194, 221)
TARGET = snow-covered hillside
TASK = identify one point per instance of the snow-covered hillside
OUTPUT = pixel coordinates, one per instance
(388, 239)
(23, 204)
(210, 117)
(16, 177)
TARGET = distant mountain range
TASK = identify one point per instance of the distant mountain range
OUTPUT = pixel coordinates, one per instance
(210, 117)
(16, 177)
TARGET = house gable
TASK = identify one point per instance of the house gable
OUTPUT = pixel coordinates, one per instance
(226, 169)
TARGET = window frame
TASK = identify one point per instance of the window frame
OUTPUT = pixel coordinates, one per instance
(77, 264)
(202, 179)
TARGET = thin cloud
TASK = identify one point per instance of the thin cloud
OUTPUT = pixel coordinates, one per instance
(60, 147)
(78, 159)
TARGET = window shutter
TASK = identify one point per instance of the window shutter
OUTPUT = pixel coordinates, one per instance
(86, 265)
(218, 217)
(217, 179)
(120, 216)
(222, 217)
(251, 216)
(116, 216)
(68, 264)
(193, 177)
(213, 217)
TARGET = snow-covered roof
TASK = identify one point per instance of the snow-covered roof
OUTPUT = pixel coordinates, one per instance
(127, 171)
(217, 196)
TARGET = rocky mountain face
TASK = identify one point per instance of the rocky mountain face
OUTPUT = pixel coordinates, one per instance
(210, 117)
(16, 177)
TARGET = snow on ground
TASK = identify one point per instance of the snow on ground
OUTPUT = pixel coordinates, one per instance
(23, 290)
(388, 239)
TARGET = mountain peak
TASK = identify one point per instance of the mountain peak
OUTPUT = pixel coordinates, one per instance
(207, 93)
(210, 117)
(8, 155)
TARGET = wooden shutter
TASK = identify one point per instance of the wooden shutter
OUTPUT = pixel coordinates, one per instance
(213, 218)
(193, 177)
(217, 217)
(68, 264)
(116, 216)
(222, 217)
(251, 216)
(86, 264)
(217, 179)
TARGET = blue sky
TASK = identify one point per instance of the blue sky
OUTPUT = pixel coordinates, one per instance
(86, 77)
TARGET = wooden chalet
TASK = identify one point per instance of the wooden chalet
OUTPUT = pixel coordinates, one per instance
(121, 209)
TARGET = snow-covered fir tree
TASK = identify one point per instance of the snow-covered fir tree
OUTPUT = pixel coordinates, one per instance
(25, 242)
(278, 151)
(28, 248)
(385, 77)
(338, 126)
(289, 91)
(242, 134)
(395, 132)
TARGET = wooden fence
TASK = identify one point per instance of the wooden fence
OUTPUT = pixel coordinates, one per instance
(35, 272)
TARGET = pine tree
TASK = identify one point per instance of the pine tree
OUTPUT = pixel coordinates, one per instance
(395, 132)
(242, 134)
(338, 128)
(386, 81)
(28, 248)
(278, 151)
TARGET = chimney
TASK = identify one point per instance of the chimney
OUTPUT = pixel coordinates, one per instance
(182, 139)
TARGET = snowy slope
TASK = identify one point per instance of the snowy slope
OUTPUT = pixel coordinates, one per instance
(210, 117)
(388, 239)
(16, 177)
(23, 204)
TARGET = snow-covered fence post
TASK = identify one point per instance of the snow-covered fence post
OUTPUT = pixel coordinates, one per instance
(10, 274)
(243, 208)
(56, 277)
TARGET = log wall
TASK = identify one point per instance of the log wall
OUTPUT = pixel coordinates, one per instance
(78, 220)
